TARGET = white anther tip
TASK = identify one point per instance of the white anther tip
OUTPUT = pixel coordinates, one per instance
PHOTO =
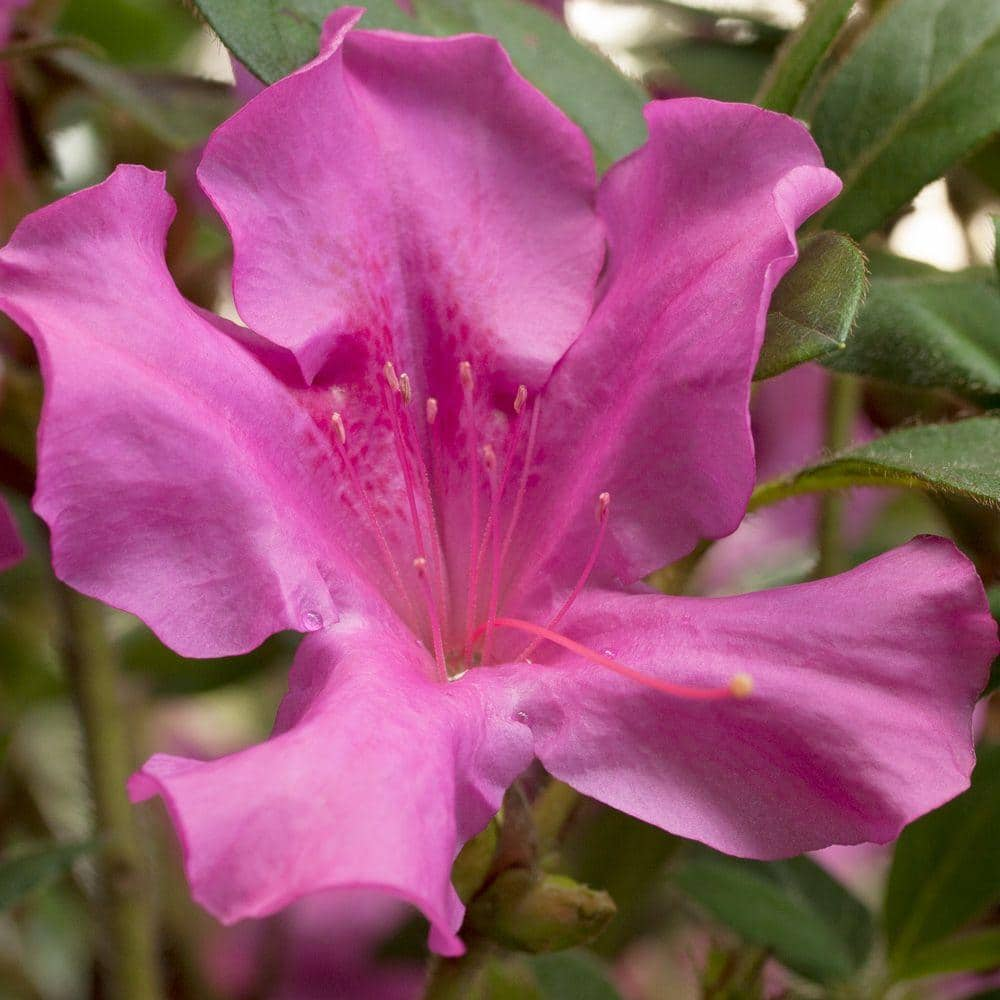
(603, 503)
(338, 425)
(405, 388)
(465, 376)
(420, 565)
(389, 371)
(741, 685)
(521, 398)
(432, 409)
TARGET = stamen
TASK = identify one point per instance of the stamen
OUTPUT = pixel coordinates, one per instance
(389, 371)
(422, 476)
(340, 436)
(529, 456)
(468, 383)
(338, 425)
(405, 389)
(420, 565)
(514, 441)
(466, 377)
(431, 409)
(521, 398)
(493, 527)
(740, 686)
(603, 507)
(404, 462)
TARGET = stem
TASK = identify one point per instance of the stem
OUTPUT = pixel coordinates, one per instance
(128, 927)
(459, 978)
(844, 395)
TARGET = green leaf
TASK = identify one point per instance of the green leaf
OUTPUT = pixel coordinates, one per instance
(131, 32)
(974, 952)
(572, 975)
(179, 110)
(961, 459)
(606, 105)
(813, 308)
(946, 868)
(274, 37)
(23, 873)
(716, 69)
(801, 55)
(928, 329)
(919, 92)
(793, 908)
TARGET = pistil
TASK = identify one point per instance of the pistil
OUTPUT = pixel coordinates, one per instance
(740, 685)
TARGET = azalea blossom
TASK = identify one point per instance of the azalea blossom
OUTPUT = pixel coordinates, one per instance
(478, 399)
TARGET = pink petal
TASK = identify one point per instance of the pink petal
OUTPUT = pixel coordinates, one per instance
(11, 546)
(650, 403)
(860, 718)
(374, 778)
(411, 198)
(181, 479)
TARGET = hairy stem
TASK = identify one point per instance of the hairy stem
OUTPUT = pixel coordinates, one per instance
(128, 939)
(843, 397)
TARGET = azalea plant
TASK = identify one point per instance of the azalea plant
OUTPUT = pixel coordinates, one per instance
(486, 524)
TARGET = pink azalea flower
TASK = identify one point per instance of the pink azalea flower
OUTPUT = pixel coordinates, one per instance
(462, 348)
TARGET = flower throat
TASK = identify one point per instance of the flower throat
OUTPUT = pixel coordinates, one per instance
(430, 611)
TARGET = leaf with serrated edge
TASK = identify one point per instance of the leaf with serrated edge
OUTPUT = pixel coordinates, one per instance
(813, 308)
(928, 329)
(962, 459)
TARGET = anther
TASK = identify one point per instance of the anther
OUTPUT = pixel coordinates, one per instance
(431, 408)
(389, 371)
(338, 425)
(741, 685)
(420, 565)
(489, 458)
(521, 398)
(465, 376)
(603, 503)
(405, 389)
